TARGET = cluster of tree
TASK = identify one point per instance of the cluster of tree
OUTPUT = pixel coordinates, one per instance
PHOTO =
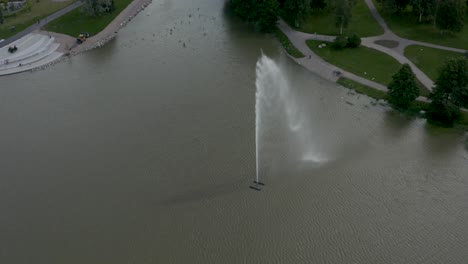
(450, 92)
(98, 7)
(449, 95)
(264, 13)
(342, 42)
(446, 14)
(403, 90)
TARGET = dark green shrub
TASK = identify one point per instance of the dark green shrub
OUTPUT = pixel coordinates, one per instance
(353, 41)
(339, 43)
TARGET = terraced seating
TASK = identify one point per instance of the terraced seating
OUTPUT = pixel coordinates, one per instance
(34, 50)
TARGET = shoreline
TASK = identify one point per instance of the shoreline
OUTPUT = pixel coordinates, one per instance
(69, 47)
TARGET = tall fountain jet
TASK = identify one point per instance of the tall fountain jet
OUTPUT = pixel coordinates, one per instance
(276, 102)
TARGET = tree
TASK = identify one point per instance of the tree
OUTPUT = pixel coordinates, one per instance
(318, 4)
(98, 7)
(268, 15)
(1, 16)
(403, 90)
(393, 6)
(297, 8)
(451, 92)
(339, 43)
(401, 4)
(353, 41)
(444, 112)
(453, 81)
(263, 13)
(450, 15)
(423, 8)
(342, 14)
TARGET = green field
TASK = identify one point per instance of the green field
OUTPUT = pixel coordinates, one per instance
(323, 22)
(365, 62)
(406, 25)
(429, 60)
(76, 22)
(464, 119)
(286, 43)
(24, 19)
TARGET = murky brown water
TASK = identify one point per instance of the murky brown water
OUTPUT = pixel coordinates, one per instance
(143, 151)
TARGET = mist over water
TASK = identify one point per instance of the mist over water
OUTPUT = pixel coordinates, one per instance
(280, 117)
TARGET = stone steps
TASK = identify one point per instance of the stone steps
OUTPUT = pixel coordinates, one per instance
(34, 50)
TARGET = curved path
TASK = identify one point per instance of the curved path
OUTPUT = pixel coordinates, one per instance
(316, 64)
(328, 71)
(403, 42)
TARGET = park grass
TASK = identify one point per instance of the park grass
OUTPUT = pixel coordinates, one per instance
(365, 62)
(287, 45)
(463, 118)
(423, 91)
(415, 106)
(406, 25)
(323, 22)
(24, 19)
(362, 89)
(429, 60)
(76, 21)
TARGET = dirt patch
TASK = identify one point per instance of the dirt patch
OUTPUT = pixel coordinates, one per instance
(387, 43)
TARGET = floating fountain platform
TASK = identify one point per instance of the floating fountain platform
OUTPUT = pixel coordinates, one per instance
(255, 188)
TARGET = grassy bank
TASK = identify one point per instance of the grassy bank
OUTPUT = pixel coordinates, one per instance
(287, 45)
(464, 119)
(362, 89)
(415, 106)
(25, 19)
(429, 60)
(365, 62)
(76, 22)
(323, 22)
(406, 25)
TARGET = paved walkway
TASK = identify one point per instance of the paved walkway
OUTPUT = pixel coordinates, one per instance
(41, 23)
(316, 64)
(403, 43)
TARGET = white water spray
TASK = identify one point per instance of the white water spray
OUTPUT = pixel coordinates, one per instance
(275, 98)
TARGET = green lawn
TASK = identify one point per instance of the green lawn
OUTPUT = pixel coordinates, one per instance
(76, 22)
(429, 60)
(415, 106)
(323, 22)
(406, 25)
(24, 19)
(464, 119)
(287, 45)
(365, 62)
